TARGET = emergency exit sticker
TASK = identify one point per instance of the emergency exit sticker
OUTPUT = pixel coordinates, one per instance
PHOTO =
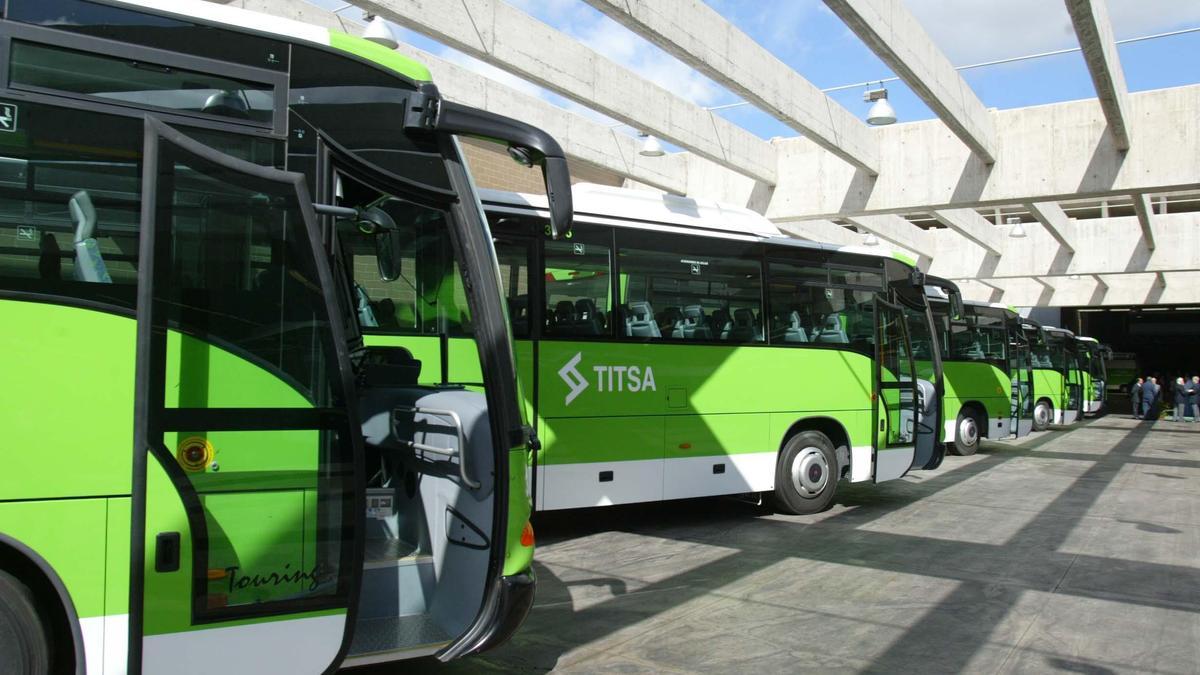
(8, 117)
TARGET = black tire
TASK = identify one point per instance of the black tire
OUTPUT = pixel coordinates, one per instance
(1041, 422)
(811, 489)
(24, 641)
(966, 425)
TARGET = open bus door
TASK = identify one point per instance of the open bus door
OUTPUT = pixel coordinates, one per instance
(246, 451)
(1073, 405)
(1020, 367)
(896, 409)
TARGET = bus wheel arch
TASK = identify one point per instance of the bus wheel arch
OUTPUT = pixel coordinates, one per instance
(1043, 414)
(53, 603)
(969, 428)
(808, 467)
(833, 430)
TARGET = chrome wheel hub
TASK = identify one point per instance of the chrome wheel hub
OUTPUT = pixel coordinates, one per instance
(968, 431)
(1042, 414)
(809, 472)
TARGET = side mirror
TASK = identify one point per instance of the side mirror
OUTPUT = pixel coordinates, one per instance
(957, 311)
(526, 144)
(376, 223)
(387, 255)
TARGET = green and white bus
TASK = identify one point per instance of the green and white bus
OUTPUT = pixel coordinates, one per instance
(1056, 383)
(1092, 357)
(673, 348)
(987, 373)
(206, 469)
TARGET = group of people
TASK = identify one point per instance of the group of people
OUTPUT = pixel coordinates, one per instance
(1147, 394)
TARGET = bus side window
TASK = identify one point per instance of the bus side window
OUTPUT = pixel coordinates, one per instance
(578, 287)
(514, 281)
(672, 293)
(70, 210)
(427, 296)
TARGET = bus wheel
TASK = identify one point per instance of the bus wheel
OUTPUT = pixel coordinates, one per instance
(1042, 414)
(24, 647)
(966, 434)
(806, 474)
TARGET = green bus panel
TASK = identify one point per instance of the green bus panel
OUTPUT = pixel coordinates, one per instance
(70, 534)
(978, 382)
(1050, 385)
(67, 429)
(705, 435)
(605, 401)
(602, 439)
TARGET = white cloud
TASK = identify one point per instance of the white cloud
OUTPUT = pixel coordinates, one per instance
(969, 31)
(619, 44)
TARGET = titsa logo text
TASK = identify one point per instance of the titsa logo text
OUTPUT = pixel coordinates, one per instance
(608, 378)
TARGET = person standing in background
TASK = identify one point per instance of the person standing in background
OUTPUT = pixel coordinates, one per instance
(1135, 397)
(1180, 398)
(1150, 393)
(1193, 397)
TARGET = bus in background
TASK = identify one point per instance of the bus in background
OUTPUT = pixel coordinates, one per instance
(206, 470)
(673, 348)
(1049, 383)
(987, 374)
(1052, 390)
(1092, 358)
(1064, 357)
(1121, 370)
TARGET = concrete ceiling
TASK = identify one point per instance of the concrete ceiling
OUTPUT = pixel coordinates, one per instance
(841, 178)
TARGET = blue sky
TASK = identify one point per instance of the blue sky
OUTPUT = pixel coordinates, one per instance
(805, 35)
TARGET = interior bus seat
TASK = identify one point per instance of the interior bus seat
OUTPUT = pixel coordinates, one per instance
(671, 321)
(587, 318)
(695, 324)
(833, 330)
(794, 331)
(743, 329)
(720, 325)
(564, 313)
(640, 321)
(89, 265)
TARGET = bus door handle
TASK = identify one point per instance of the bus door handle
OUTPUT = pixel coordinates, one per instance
(456, 422)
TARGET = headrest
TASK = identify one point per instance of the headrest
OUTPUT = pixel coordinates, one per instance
(641, 310)
(84, 215)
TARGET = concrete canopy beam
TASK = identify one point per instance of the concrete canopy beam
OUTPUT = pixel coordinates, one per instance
(581, 138)
(898, 39)
(1145, 218)
(973, 226)
(694, 33)
(898, 231)
(1095, 33)
(1110, 247)
(1055, 220)
(1051, 152)
(504, 36)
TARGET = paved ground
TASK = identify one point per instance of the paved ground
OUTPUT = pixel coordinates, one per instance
(1074, 550)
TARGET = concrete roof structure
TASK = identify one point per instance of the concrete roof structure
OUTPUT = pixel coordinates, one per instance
(1106, 190)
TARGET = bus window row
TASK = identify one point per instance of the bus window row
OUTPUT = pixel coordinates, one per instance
(679, 288)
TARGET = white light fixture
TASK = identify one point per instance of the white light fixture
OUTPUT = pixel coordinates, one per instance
(379, 32)
(1074, 277)
(650, 146)
(1018, 230)
(881, 112)
(870, 239)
